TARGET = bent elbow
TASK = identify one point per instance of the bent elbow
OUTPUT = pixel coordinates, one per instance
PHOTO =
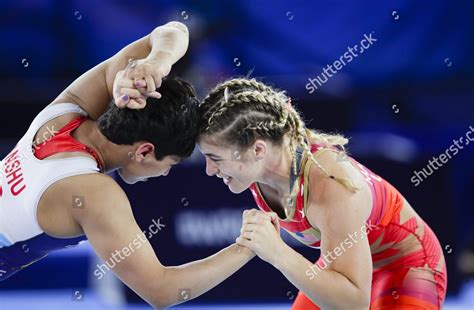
(178, 25)
(359, 301)
(173, 27)
(160, 304)
(363, 300)
(164, 298)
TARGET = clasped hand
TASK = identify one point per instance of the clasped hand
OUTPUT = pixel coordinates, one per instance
(261, 233)
(139, 81)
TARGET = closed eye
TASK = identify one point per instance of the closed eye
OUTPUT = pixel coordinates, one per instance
(214, 159)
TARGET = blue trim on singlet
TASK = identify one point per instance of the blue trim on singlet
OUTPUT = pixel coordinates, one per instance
(23, 253)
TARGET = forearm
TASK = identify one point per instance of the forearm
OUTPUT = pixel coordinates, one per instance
(322, 285)
(169, 41)
(93, 90)
(200, 276)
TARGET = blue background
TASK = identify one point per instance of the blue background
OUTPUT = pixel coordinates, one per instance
(401, 102)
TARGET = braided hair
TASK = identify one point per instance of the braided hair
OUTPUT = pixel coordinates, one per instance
(239, 111)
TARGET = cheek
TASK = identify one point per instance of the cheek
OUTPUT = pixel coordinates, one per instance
(126, 176)
(129, 170)
(144, 170)
(163, 168)
(244, 172)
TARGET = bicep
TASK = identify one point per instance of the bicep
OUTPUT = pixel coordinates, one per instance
(89, 91)
(340, 216)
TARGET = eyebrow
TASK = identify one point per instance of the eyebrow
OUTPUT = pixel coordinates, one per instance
(211, 155)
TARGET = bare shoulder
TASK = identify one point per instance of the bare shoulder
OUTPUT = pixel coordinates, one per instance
(96, 189)
(67, 203)
(97, 200)
(90, 194)
(328, 198)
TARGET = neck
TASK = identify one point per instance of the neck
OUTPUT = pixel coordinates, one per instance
(109, 153)
(277, 169)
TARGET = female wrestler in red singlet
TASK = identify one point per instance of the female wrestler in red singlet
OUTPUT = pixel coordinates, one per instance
(376, 251)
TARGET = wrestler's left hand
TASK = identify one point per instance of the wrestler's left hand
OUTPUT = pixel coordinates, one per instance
(261, 233)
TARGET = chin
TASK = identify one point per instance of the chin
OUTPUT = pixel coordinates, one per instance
(237, 190)
(129, 182)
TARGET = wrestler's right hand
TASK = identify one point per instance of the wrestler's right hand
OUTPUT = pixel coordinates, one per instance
(126, 95)
(271, 216)
(140, 80)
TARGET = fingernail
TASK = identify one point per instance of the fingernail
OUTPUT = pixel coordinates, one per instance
(139, 83)
(125, 98)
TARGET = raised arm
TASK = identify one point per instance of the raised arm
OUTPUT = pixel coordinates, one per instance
(108, 223)
(161, 49)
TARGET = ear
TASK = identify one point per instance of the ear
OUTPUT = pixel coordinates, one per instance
(259, 149)
(144, 150)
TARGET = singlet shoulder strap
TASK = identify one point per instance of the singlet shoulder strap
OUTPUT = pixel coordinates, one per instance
(307, 166)
(53, 111)
(62, 141)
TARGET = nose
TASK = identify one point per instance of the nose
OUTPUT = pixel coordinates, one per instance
(211, 167)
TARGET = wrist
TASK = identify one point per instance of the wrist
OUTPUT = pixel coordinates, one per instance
(161, 56)
(281, 256)
(243, 250)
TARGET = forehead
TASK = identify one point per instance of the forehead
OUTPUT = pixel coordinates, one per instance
(208, 148)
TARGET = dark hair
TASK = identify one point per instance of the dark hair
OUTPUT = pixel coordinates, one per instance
(169, 123)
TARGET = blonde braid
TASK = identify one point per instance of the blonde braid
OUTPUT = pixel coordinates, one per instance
(266, 98)
(251, 84)
(251, 91)
(300, 135)
(234, 83)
